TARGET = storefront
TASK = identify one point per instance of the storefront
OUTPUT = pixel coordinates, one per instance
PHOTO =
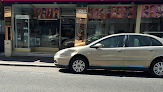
(44, 27)
(48, 26)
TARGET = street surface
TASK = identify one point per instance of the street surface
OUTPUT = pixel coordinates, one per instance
(50, 79)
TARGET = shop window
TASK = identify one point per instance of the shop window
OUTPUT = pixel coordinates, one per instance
(111, 20)
(152, 18)
(43, 26)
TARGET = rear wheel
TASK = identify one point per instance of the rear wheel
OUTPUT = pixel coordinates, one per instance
(78, 65)
(157, 68)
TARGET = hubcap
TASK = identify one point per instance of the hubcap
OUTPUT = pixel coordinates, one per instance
(158, 68)
(78, 65)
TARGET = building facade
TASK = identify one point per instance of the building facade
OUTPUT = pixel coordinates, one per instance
(44, 25)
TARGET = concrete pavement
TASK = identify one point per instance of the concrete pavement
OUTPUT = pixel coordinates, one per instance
(42, 59)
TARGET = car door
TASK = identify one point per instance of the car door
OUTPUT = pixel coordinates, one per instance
(139, 51)
(111, 54)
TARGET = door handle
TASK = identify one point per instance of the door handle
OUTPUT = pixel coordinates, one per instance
(150, 49)
(119, 50)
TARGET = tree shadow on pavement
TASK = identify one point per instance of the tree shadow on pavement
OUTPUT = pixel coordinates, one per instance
(28, 59)
(116, 73)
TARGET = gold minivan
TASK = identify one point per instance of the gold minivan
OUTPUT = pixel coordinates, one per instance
(129, 51)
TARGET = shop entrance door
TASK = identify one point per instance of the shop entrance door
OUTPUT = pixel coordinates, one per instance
(22, 31)
(67, 27)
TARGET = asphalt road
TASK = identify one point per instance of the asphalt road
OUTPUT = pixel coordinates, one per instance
(48, 79)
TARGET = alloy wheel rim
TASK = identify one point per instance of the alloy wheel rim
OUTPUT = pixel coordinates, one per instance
(158, 68)
(78, 65)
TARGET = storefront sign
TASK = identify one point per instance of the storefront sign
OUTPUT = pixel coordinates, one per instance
(152, 11)
(80, 0)
(80, 27)
(47, 13)
(99, 13)
(123, 12)
(22, 16)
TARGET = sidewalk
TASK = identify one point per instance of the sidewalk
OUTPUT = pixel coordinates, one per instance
(42, 59)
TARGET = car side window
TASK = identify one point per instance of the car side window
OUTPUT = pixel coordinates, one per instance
(139, 41)
(112, 42)
(155, 42)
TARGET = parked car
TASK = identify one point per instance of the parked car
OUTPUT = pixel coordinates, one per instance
(155, 33)
(129, 51)
(70, 42)
(54, 39)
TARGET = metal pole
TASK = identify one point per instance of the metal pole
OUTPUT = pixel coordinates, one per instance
(60, 30)
(16, 31)
(28, 35)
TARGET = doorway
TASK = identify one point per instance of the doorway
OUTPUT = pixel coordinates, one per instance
(67, 27)
(8, 32)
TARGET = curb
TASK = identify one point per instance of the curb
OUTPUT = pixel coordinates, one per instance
(38, 54)
(27, 64)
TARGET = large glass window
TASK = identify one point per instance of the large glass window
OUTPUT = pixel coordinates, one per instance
(111, 20)
(45, 33)
(43, 26)
(152, 18)
(48, 27)
(151, 25)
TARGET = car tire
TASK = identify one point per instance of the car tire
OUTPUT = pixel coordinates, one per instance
(78, 65)
(156, 68)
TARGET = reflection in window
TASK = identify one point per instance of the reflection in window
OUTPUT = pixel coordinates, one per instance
(151, 25)
(116, 41)
(137, 41)
(46, 32)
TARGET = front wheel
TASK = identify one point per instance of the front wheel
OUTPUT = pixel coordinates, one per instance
(78, 65)
(157, 69)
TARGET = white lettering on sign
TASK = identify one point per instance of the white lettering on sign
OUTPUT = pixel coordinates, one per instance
(82, 11)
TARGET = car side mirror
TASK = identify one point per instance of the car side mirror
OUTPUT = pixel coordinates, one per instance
(99, 45)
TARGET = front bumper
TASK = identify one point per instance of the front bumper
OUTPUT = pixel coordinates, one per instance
(62, 66)
(61, 62)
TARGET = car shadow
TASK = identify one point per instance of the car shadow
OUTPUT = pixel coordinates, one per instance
(116, 73)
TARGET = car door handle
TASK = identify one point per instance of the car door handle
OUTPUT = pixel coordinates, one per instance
(119, 50)
(150, 49)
